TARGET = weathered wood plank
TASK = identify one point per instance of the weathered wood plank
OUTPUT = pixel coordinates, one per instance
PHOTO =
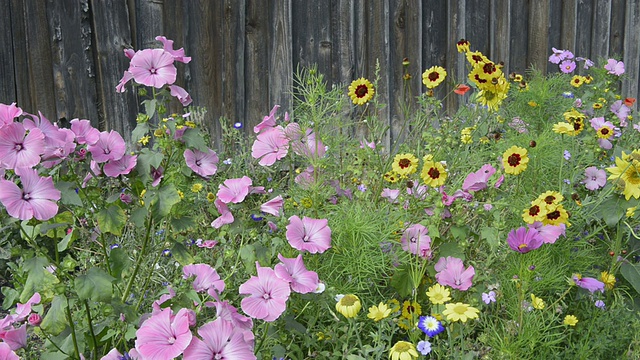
(500, 29)
(312, 39)
(149, 20)
(538, 35)
(257, 102)
(519, 39)
(377, 54)
(584, 22)
(342, 41)
(281, 64)
(600, 30)
(116, 111)
(569, 25)
(555, 32)
(616, 33)
(72, 61)
(7, 72)
(456, 30)
(631, 57)
(477, 14)
(233, 83)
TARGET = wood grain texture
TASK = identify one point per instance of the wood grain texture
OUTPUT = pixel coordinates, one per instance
(616, 32)
(7, 71)
(584, 24)
(631, 57)
(538, 35)
(257, 57)
(519, 39)
(600, 29)
(281, 57)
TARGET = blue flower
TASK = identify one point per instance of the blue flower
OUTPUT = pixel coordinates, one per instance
(166, 252)
(255, 217)
(114, 246)
(430, 325)
(237, 125)
(599, 304)
(424, 347)
(568, 95)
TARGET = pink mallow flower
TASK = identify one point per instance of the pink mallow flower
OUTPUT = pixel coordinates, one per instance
(416, 241)
(390, 194)
(268, 295)
(110, 146)
(268, 122)
(229, 313)
(85, 133)
(122, 166)
(178, 55)
(207, 278)
(588, 283)
(153, 67)
(293, 271)
(451, 272)
(234, 190)
(6, 353)
(37, 197)
(226, 217)
(220, 340)
(24, 310)
(18, 148)
(273, 206)
(312, 235)
(594, 178)
(8, 113)
(548, 233)
(524, 239)
(270, 145)
(181, 94)
(615, 67)
(16, 338)
(477, 181)
(202, 163)
(164, 336)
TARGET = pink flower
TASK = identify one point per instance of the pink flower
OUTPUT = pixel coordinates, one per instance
(312, 235)
(85, 133)
(181, 94)
(305, 178)
(296, 274)
(6, 353)
(478, 180)
(220, 340)
(209, 244)
(594, 178)
(114, 354)
(588, 283)
(153, 67)
(23, 310)
(391, 195)
(34, 319)
(268, 122)
(615, 67)
(548, 233)
(178, 55)
(304, 144)
(122, 166)
(15, 338)
(156, 175)
(268, 295)
(226, 217)
(164, 336)
(204, 164)
(58, 148)
(95, 170)
(270, 146)
(416, 241)
(559, 55)
(36, 198)
(229, 313)
(19, 148)
(207, 278)
(273, 206)
(451, 272)
(524, 239)
(234, 190)
(499, 181)
(621, 110)
(568, 66)
(8, 113)
(110, 146)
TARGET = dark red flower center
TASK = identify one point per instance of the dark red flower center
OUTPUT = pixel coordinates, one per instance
(489, 68)
(361, 91)
(534, 210)
(554, 215)
(550, 199)
(476, 58)
(604, 131)
(404, 163)
(479, 79)
(514, 160)
(18, 147)
(433, 76)
(433, 173)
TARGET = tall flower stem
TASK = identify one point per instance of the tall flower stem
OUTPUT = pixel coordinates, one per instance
(93, 335)
(73, 332)
(143, 251)
(263, 339)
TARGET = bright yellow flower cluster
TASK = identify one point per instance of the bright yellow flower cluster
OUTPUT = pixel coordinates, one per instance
(573, 124)
(433, 173)
(626, 174)
(489, 78)
(465, 135)
(405, 164)
(547, 209)
(433, 76)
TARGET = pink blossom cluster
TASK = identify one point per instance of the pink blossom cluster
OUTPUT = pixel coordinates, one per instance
(13, 328)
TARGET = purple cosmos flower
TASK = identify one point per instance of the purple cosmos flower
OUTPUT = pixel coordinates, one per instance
(588, 283)
(557, 56)
(524, 239)
(477, 181)
(548, 233)
(451, 272)
(391, 195)
(416, 241)
(430, 326)
(615, 67)
(567, 66)
(594, 178)
(621, 111)
(37, 198)
(18, 148)
(268, 295)
(312, 235)
(489, 297)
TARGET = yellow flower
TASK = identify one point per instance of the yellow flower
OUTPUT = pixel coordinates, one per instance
(438, 294)
(463, 45)
(391, 177)
(491, 99)
(475, 58)
(181, 194)
(608, 279)
(597, 106)
(395, 305)
(196, 187)
(361, 91)
(556, 215)
(537, 303)
(411, 309)
(190, 124)
(405, 164)
(433, 173)
(433, 76)
(306, 202)
(536, 212)
(349, 306)
(515, 160)
(562, 128)
(604, 132)
(627, 171)
(460, 312)
(533, 103)
(142, 193)
(631, 211)
(403, 350)
(211, 197)
(577, 81)
(551, 197)
(379, 312)
(570, 320)
(159, 132)
(144, 140)
(466, 139)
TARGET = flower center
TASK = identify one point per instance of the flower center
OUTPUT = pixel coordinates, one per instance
(550, 199)
(554, 215)
(361, 91)
(460, 309)
(434, 173)
(404, 163)
(26, 196)
(266, 296)
(402, 347)
(348, 300)
(514, 160)
(433, 76)
(534, 210)
(153, 71)
(18, 147)
(171, 340)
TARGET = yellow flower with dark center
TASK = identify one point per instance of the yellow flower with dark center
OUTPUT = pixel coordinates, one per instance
(361, 91)
(551, 197)
(556, 215)
(433, 76)
(537, 303)
(562, 128)
(463, 45)
(491, 99)
(577, 81)
(588, 79)
(349, 305)
(405, 164)
(411, 309)
(604, 132)
(515, 160)
(573, 116)
(377, 313)
(476, 57)
(391, 177)
(597, 106)
(403, 350)
(570, 320)
(608, 279)
(438, 294)
(460, 312)
(627, 172)
(433, 173)
(211, 197)
(536, 212)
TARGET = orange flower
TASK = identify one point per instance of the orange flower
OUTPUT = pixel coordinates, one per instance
(461, 89)
(629, 101)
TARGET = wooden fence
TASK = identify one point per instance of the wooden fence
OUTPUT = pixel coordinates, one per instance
(65, 57)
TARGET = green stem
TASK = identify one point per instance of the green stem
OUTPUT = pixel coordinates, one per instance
(73, 332)
(145, 243)
(106, 255)
(93, 335)
(264, 338)
(143, 289)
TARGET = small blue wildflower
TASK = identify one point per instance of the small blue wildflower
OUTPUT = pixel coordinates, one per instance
(227, 162)
(424, 347)
(489, 297)
(114, 246)
(269, 179)
(166, 252)
(76, 189)
(430, 325)
(160, 232)
(600, 304)
(237, 125)
(567, 181)
(567, 155)
(362, 187)
(568, 95)
(255, 217)
(532, 267)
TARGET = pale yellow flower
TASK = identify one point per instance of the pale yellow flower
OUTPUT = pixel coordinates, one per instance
(438, 294)
(379, 312)
(460, 312)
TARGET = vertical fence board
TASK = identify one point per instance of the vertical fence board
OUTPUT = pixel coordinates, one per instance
(500, 31)
(538, 35)
(281, 64)
(7, 72)
(456, 30)
(477, 16)
(257, 103)
(555, 32)
(377, 54)
(519, 39)
(112, 35)
(148, 23)
(616, 33)
(584, 22)
(342, 42)
(632, 50)
(72, 61)
(311, 42)
(569, 24)
(600, 30)
(233, 81)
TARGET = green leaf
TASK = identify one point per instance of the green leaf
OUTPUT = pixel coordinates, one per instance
(147, 159)
(34, 267)
(401, 281)
(181, 254)
(55, 321)
(150, 107)
(119, 261)
(451, 249)
(291, 324)
(10, 297)
(141, 130)
(611, 211)
(138, 217)
(165, 198)
(491, 235)
(68, 194)
(182, 223)
(111, 220)
(66, 241)
(631, 272)
(459, 232)
(94, 285)
(194, 139)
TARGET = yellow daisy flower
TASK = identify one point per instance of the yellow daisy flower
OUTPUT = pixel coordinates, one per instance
(349, 306)
(537, 303)
(411, 309)
(460, 312)
(433, 173)
(463, 45)
(438, 294)
(570, 320)
(515, 160)
(627, 170)
(631, 211)
(377, 313)
(391, 177)
(361, 91)
(551, 197)
(536, 212)
(577, 81)
(433, 76)
(403, 350)
(405, 164)
(562, 128)
(211, 197)
(196, 187)
(491, 99)
(476, 57)
(556, 215)
(608, 279)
